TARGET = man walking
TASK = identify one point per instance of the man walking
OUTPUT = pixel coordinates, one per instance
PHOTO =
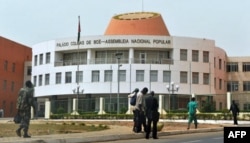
(152, 114)
(24, 104)
(235, 111)
(192, 107)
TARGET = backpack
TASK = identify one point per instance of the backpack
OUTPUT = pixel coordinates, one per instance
(133, 100)
(22, 100)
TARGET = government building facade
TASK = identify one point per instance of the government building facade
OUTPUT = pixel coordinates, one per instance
(136, 51)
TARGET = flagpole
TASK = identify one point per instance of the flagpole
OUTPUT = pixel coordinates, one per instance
(78, 62)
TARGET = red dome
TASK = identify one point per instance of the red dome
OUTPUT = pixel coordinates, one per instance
(137, 23)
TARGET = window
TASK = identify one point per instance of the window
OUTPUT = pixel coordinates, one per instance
(47, 58)
(220, 106)
(75, 58)
(13, 67)
(205, 56)
(153, 75)
(58, 78)
(41, 59)
(195, 55)
(232, 67)
(246, 106)
(220, 63)
(108, 75)
(215, 83)
(29, 71)
(232, 86)
(34, 80)
(224, 66)
(122, 75)
(47, 79)
(166, 76)
(12, 107)
(79, 76)
(4, 84)
(5, 65)
(246, 85)
(35, 61)
(139, 75)
(246, 66)
(40, 80)
(143, 58)
(3, 104)
(214, 62)
(12, 86)
(183, 55)
(183, 77)
(220, 83)
(206, 78)
(95, 76)
(68, 77)
(195, 78)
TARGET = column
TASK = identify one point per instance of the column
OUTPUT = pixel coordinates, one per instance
(161, 110)
(130, 110)
(229, 98)
(101, 111)
(32, 113)
(89, 56)
(74, 107)
(47, 109)
(131, 56)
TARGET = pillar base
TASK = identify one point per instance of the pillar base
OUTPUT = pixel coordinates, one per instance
(101, 112)
(162, 112)
(130, 111)
(75, 113)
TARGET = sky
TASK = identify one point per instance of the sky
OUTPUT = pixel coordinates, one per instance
(29, 22)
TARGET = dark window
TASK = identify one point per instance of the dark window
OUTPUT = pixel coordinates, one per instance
(232, 86)
(246, 67)
(205, 56)
(246, 85)
(232, 67)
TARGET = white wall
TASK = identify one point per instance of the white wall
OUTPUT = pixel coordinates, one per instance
(176, 44)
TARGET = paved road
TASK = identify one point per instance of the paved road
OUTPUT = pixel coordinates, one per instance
(209, 137)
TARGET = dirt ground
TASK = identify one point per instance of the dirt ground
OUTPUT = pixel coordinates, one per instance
(167, 125)
(8, 130)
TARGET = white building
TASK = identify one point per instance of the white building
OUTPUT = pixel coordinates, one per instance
(151, 58)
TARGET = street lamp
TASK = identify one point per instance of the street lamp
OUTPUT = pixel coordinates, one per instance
(118, 56)
(171, 89)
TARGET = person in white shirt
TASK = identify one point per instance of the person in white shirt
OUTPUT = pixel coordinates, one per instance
(140, 118)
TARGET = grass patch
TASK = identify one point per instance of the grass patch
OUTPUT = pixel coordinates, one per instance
(48, 128)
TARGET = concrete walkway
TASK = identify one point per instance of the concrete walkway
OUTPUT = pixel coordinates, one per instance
(115, 133)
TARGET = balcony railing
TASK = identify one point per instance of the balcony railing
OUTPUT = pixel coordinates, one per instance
(114, 61)
(70, 62)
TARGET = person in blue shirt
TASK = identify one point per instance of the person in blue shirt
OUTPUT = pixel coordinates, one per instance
(192, 107)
